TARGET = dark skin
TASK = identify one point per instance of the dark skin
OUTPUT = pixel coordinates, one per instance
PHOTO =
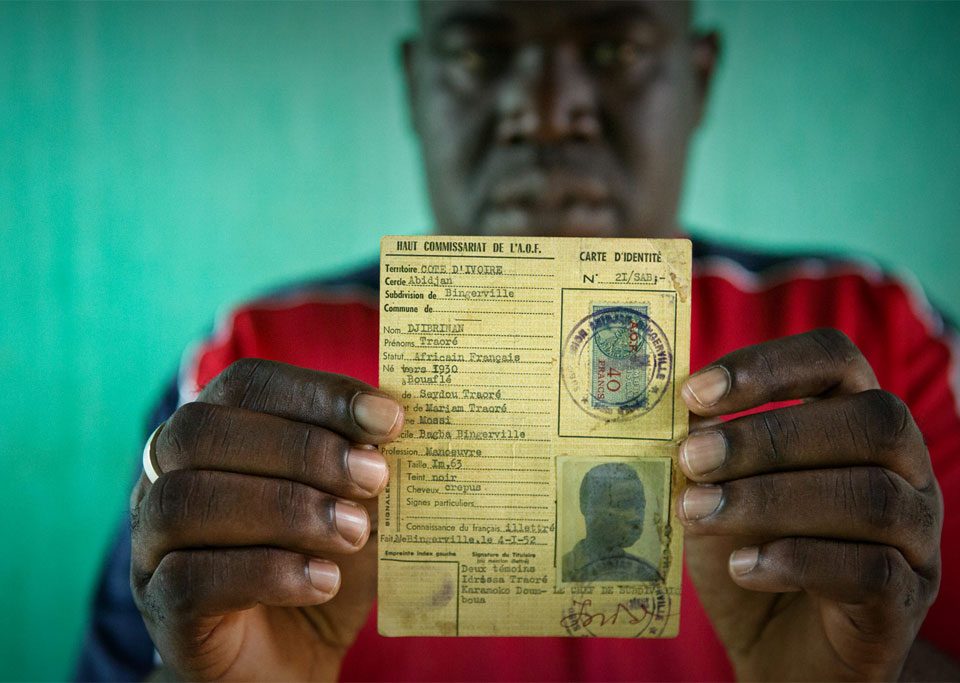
(812, 531)
(573, 121)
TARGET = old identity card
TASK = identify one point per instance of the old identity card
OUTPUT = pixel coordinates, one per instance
(532, 488)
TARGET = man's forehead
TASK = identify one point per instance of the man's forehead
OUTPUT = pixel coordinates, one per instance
(545, 15)
(615, 487)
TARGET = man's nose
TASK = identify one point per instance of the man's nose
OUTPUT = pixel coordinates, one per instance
(549, 98)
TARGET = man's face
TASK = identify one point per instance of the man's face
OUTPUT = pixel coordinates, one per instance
(615, 514)
(556, 119)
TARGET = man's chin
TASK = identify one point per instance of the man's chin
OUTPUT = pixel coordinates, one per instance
(576, 221)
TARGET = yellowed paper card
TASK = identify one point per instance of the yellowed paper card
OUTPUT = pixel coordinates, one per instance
(532, 489)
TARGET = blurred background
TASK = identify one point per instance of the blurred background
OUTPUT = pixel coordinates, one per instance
(158, 161)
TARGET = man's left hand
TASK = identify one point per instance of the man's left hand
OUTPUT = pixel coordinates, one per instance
(814, 529)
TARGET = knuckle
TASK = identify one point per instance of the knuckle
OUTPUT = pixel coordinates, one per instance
(167, 506)
(139, 579)
(880, 570)
(838, 339)
(146, 599)
(300, 445)
(930, 577)
(882, 497)
(927, 517)
(317, 454)
(888, 419)
(241, 369)
(135, 520)
(760, 364)
(238, 379)
(830, 350)
(836, 344)
(771, 432)
(330, 458)
(926, 520)
(933, 499)
(802, 561)
(180, 436)
(301, 509)
(177, 583)
(326, 396)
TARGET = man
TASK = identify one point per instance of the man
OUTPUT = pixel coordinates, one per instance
(612, 502)
(812, 529)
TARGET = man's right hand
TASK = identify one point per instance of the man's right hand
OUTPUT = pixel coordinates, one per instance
(250, 553)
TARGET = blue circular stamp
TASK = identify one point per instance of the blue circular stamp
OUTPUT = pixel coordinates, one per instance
(617, 362)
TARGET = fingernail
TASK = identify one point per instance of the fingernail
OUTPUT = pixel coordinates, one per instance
(703, 452)
(744, 560)
(701, 501)
(375, 414)
(325, 576)
(351, 521)
(367, 468)
(709, 387)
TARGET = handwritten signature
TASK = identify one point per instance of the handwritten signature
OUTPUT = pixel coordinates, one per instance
(581, 616)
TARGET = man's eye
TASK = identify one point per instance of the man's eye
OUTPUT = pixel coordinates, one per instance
(476, 60)
(619, 54)
(470, 59)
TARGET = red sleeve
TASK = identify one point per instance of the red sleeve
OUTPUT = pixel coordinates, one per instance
(322, 331)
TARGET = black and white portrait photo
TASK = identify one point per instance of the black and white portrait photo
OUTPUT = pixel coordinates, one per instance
(617, 509)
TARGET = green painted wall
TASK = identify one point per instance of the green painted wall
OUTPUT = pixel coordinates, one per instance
(157, 161)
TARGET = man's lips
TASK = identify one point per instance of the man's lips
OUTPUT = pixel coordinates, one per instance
(550, 201)
(548, 190)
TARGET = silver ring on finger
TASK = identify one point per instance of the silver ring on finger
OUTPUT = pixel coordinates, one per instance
(150, 467)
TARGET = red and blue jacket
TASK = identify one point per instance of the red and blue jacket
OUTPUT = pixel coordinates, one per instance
(739, 298)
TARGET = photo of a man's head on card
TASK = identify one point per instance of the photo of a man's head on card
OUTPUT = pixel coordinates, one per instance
(612, 513)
